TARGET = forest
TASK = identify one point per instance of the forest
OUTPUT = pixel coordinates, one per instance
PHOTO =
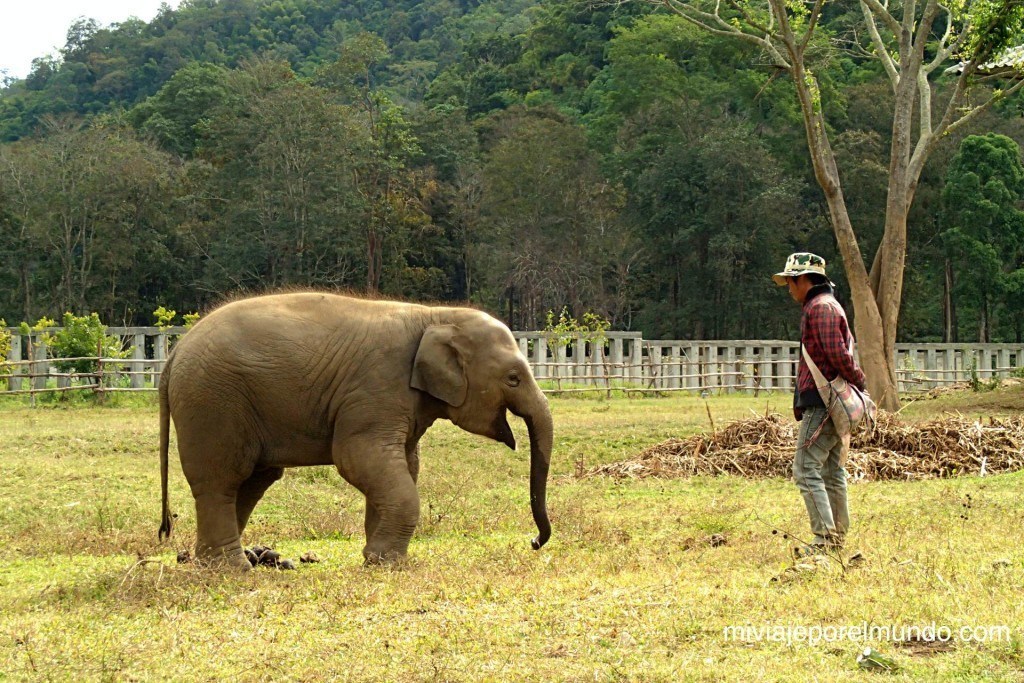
(525, 157)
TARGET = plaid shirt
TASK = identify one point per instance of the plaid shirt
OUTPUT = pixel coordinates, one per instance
(826, 335)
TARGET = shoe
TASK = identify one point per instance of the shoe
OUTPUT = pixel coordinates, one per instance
(802, 551)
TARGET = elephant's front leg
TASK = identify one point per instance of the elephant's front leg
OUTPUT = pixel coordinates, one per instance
(412, 459)
(382, 474)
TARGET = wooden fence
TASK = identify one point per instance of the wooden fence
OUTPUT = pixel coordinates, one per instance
(29, 370)
(627, 360)
(621, 360)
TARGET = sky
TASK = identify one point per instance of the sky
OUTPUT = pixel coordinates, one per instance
(36, 28)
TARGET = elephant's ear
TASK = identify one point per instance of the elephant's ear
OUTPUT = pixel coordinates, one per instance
(438, 368)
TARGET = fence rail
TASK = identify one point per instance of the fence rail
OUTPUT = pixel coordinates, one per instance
(621, 361)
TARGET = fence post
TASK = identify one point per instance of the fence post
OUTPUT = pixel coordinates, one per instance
(657, 375)
(766, 368)
(41, 368)
(540, 356)
(160, 347)
(708, 374)
(615, 345)
(99, 371)
(929, 368)
(1003, 365)
(731, 379)
(783, 368)
(14, 355)
(579, 359)
(750, 368)
(138, 366)
(560, 357)
(675, 366)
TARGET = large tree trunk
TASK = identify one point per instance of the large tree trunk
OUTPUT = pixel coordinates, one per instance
(984, 335)
(875, 352)
(949, 334)
(889, 292)
(892, 252)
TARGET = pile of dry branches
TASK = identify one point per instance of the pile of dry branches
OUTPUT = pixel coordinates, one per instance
(763, 447)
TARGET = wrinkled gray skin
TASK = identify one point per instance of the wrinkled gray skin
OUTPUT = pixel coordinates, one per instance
(300, 379)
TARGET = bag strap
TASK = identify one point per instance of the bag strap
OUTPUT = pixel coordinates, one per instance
(819, 379)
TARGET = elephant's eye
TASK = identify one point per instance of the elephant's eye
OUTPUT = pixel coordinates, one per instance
(513, 379)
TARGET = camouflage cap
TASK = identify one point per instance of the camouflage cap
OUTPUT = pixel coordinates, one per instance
(800, 263)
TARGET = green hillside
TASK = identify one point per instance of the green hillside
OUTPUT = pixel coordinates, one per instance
(522, 156)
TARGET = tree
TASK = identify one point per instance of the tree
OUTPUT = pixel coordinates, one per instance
(277, 192)
(392, 193)
(91, 207)
(984, 233)
(551, 218)
(911, 46)
(706, 258)
(176, 114)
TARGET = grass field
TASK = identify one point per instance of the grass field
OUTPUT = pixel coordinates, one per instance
(629, 588)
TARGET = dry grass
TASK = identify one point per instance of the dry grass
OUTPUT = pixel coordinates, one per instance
(630, 588)
(763, 446)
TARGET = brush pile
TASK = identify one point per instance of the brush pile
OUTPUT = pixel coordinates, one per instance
(763, 447)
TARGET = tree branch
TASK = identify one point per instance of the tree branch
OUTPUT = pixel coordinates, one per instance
(966, 118)
(882, 12)
(924, 89)
(747, 18)
(948, 125)
(815, 15)
(713, 23)
(876, 38)
(944, 49)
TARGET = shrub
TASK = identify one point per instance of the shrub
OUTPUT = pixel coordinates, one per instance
(164, 317)
(592, 329)
(82, 337)
(5, 346)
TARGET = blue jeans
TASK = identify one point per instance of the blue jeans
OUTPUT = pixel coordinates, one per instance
(821, 478)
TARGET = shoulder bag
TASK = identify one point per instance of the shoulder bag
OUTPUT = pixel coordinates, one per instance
(851, 409)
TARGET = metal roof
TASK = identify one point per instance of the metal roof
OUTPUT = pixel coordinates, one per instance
(1010, 63)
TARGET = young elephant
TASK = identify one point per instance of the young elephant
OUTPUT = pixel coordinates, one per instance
(298, 379)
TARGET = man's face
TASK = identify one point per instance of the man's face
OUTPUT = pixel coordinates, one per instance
(798, 287)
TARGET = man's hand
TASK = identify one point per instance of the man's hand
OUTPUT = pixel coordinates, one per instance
(798, 413)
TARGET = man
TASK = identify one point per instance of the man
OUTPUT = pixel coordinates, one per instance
(818, 465)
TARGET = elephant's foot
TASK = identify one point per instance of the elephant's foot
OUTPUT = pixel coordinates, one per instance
(387, 558)
(232, 558)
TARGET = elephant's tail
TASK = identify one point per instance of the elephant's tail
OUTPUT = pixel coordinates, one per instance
(165, 438)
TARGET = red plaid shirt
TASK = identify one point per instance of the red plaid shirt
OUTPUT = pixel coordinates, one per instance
(826, 335)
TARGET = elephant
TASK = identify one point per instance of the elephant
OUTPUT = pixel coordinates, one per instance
(315, 378)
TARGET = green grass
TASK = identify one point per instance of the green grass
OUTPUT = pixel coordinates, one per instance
(627, 589)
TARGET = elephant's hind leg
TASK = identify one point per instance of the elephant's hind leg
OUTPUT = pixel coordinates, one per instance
(218, 490)
(250, 492)
(217, 536)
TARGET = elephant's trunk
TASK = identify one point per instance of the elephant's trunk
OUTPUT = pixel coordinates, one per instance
(539, 424)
